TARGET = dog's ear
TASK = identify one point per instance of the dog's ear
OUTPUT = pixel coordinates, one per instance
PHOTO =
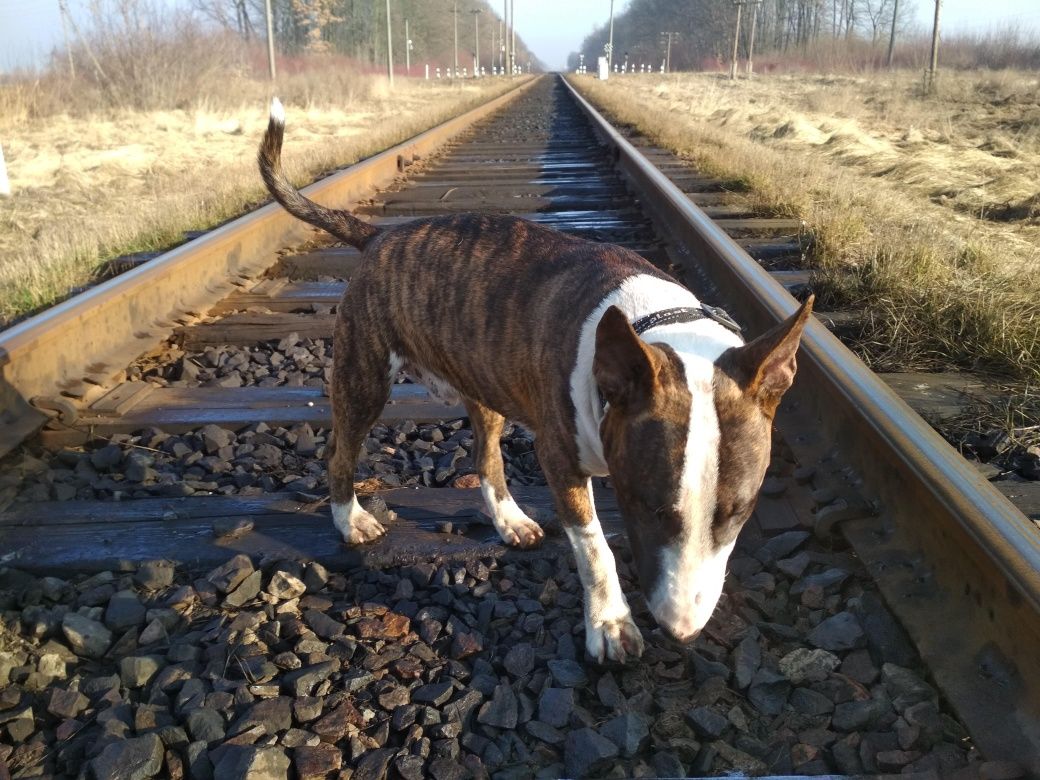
(767, 365)
(624, 367)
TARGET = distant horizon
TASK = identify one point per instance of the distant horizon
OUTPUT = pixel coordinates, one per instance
(30, 31)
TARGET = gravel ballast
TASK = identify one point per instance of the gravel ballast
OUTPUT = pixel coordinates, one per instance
(454, 670)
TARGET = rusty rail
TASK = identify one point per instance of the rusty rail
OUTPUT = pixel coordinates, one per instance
(87, 340)
(958, 563)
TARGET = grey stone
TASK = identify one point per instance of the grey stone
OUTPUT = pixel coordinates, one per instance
(274, 714)
(85, 636)
(768, 691)
(904, 687)
(808, 702)
(373, 765)
(460, 709)
(860, 715)
(519, 660)
(704, 669)
(322, 625)
(302, 682)
(794, 566)
(746, 658)
(667, 764)
(205, 725)
(434, 693)
(831, 578)
(804, 665)
(886, 638)
(609, 693)
(838, 633)
(568, 674)
(925, 716)
(284, 585)
(197, 758)
(246, 591)
(66, 704)
(781, 546)
(585, 752)
(630, 731)
(447, 768)
(544, 732)
(706, 722)
(136, 671)
(124, 611)
(130, 759)
(248, 762)
(555, 706)
(859, 666)
(107, 458)
(230, 575)
(410, 767)
(154, 575)
(501, 710)
(214, 437)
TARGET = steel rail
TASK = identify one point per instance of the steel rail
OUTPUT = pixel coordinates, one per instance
(89, 338)
(958, 563)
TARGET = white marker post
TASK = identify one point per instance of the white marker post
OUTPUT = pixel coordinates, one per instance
(5, 183)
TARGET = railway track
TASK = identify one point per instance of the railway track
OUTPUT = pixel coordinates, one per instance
(881, 613)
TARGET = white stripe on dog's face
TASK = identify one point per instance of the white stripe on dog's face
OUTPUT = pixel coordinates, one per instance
(691, 568)
(690, 581)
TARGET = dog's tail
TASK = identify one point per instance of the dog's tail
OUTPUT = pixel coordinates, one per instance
(341, 224)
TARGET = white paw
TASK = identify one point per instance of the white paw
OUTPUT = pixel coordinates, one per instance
(356, 525)
(617, 640)
(520, 531)
(515, 527)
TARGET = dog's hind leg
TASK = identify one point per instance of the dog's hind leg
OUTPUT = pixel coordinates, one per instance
(360, 387)
(515, 527)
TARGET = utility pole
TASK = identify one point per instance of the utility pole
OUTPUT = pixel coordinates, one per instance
(610, 40)
(736, 42)
(751, 41)
(505, 36)
(935, 48)
(892, 35)
(270, 39)
(455, 14)
(407, 50)
(389, 47)
(669, 37)
(63, 10)
(512, 37)
(476, 41)
(491, 56)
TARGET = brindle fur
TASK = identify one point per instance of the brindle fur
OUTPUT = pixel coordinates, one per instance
(494, 306)
(436, 276)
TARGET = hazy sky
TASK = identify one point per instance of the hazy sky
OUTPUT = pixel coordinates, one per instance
(553, 28)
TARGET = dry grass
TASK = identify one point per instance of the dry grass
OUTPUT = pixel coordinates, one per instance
(923, 209)
(92, 186)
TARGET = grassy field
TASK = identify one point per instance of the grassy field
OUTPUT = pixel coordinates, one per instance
(925, 210)
(92, 185)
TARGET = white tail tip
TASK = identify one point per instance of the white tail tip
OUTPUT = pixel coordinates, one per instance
(277, 111)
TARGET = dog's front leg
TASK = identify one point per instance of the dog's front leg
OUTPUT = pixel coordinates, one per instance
(610, 631)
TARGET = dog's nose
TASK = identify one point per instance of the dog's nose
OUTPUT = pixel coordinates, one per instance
(682, 636)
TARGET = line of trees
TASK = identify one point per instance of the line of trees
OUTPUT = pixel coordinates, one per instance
(356, 28)
(705, 28)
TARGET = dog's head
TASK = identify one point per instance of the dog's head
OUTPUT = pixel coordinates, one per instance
(687, 440)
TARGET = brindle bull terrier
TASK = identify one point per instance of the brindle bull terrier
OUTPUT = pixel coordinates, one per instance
(614, 366)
